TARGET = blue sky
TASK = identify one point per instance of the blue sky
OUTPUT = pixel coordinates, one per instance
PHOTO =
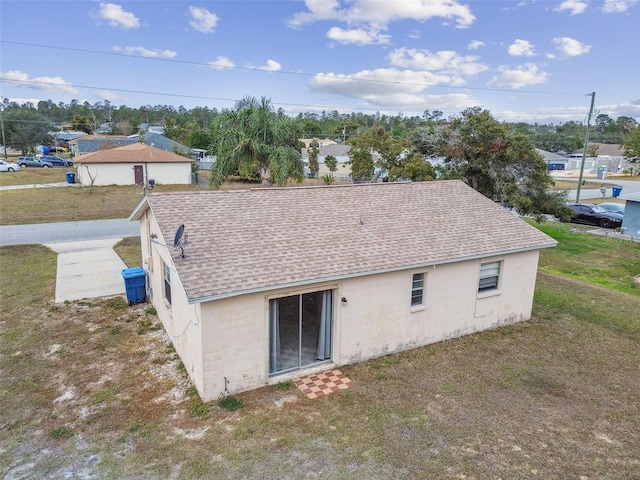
(532, 61)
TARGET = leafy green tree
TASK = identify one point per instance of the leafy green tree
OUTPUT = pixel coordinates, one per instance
(123, 127)
(313, 158)
(415, 168)
(501, 165)
(254, 136)
(626, 125)
(199, 139)
(25, 129)
(331, 162)
(631, 145)
(82, 123)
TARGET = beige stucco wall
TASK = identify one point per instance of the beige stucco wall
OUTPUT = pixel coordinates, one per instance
(122, 173)
(181, 321)
(343, 169)
(379, 320)
(228, 338)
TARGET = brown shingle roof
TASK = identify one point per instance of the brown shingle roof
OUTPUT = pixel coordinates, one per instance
(252, 240)
(611, 149)
(135, 153)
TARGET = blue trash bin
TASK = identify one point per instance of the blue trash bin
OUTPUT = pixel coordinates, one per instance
(615, 191)
(134, 284)
(71, 177)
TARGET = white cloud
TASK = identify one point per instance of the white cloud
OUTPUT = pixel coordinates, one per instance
(202, 20)
(107, 95)
(145, 52)
(381, 81)
(575, 7)
(518, 77)
(444, 61)
(117, 17)
(379, 13)
(48, 84)
(475, 45)
(357, 36)
(617, 6)
(271, 66)
(521, 48)
(571, 47)
(400, 89)
(221, 63)
(414, 34)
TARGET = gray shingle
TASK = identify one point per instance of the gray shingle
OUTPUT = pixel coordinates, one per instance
(248, 240)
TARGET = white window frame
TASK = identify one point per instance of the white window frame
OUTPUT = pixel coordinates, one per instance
(417, 277)
(489, 277)
(166, 280)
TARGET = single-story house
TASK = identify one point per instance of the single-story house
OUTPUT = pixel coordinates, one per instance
(95, 143)
(553, 160)
(135, 164)
(631, 219)
(321, 142)
(274, 283)
(341, 154)
(609, 156)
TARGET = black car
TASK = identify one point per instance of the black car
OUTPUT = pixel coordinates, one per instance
(57, 161)
(592, 214)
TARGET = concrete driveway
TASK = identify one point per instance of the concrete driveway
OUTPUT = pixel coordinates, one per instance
(88, 269)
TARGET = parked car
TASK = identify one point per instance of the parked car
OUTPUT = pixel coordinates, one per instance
(25, 162)
(8, 166)
(57, 161)
(58, 149)
(613, 207)
(592, 214)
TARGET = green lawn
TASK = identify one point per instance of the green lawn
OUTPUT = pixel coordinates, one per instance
(605, 261)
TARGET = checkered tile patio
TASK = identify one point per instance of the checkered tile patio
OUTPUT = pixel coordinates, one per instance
(321, 384)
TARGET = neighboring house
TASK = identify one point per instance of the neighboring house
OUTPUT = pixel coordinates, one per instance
(104, 128)
(95, 143)
(631, 219)
(553, 160)
(610, 157)
(145, 127)
(164, 143)
(341, 152)
(321, 142)
(280, 282)
(134, 164)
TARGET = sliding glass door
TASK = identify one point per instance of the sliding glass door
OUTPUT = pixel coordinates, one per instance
(300, 331)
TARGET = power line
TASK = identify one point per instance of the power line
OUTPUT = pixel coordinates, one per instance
(282, 72)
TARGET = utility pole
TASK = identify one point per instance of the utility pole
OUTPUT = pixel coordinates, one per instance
(4, 143)
(584, 150)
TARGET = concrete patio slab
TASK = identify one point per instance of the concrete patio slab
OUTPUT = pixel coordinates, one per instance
(88, 269)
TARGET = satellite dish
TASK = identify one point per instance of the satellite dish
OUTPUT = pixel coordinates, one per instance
(178, 236)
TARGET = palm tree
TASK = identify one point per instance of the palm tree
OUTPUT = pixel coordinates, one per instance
(254, 137)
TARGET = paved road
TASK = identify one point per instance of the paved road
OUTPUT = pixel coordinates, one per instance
(591, 189)
(47, 233)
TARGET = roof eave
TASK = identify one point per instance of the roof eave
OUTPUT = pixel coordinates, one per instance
(142, 207)
(302, 283)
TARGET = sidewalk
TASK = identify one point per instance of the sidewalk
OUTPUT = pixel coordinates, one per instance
(39, 185)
